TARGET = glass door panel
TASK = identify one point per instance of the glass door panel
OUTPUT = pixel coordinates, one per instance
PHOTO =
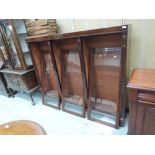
(4, 54)
(105, 73)
(72, 83)
(49, 84)
(22, 35)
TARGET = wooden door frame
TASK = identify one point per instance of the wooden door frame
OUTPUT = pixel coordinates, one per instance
(43, 78)
(83, 77)
(90, 78)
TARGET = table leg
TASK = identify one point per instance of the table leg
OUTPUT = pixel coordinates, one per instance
(33, 103)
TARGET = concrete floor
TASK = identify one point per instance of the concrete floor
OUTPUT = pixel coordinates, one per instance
(52, 120)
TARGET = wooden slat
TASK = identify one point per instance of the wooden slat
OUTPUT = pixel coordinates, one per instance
(40, 22)
(38, 28)
(41, 27)
(39, 32)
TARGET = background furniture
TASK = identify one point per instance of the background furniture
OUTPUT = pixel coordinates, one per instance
(90, 67)
(19, 72)
(41, 26)
(3, 84)
(22, 127)
(142, 106)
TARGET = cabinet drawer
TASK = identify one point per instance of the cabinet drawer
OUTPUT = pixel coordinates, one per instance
(145, 96)
(15, 82)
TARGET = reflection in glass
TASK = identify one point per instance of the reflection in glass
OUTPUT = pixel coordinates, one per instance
(7, 29)
(51, 96)
(22, 35)
(106, 70)
(72, 82)
(18, 30)
(4, 52)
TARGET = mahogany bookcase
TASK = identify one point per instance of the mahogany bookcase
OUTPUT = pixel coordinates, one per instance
(89, 71)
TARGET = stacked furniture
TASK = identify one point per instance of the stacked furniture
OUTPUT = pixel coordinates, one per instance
(18, 72)
(85, 71)
(142, 102)
(41, 26)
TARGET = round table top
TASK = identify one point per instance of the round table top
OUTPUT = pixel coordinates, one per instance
(21, 127)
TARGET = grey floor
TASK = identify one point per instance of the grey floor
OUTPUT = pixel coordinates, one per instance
(52, 120)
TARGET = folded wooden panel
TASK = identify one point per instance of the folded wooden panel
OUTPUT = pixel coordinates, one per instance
(41, 27)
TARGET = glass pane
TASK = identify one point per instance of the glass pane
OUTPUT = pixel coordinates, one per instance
(4, 52)
(51, 96)
(106, 71)
(6, 27)
(22, 35)
(72, 82)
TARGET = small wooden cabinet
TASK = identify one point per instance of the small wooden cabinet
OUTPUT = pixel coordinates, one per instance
(22, 81)
(142, 102)
(18, 72)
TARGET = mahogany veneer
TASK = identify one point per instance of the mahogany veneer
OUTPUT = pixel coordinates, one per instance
(142, 106)
(22, 127)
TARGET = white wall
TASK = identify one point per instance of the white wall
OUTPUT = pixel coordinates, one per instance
(141, 53)
(71, 25)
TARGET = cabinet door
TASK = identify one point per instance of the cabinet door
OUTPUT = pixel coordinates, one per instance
(145, 119)
(72, 77)
(104, 73)
(49, 76)
(149, 122)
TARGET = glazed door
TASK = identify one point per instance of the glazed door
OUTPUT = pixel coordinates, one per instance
(104, 85)
(49, 77)
(73, 77)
